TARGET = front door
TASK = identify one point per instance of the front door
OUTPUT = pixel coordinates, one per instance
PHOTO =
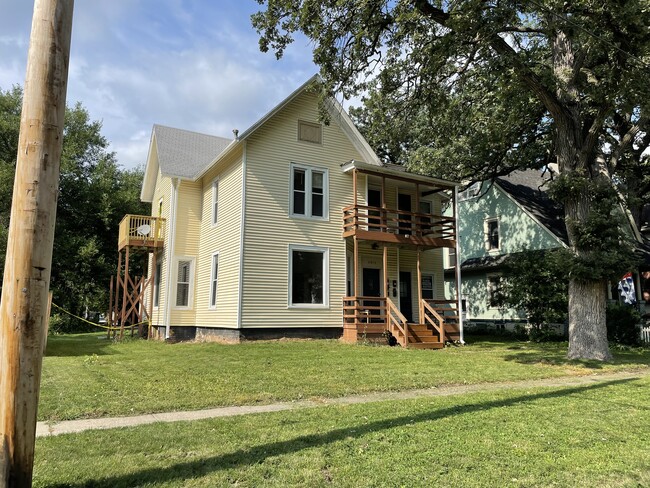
(405, 295)
(372, 288)
(374, 200)
(405, 220)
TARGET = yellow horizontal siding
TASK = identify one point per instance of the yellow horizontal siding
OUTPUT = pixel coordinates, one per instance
(223, 238)
(188, 228)
(269, 230)
(162, 190)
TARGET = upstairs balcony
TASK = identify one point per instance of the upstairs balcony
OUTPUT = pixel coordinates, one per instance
(142, 231)
(398, 226)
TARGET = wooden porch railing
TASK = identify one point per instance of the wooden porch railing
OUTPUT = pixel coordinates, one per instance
(449, 315)
(433, 318)
(377, 219)
(141, 230)
(397, 324)
(364, 311)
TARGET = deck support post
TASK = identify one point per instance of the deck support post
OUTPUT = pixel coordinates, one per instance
(124, 291)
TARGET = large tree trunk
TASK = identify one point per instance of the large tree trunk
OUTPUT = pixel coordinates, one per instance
(587, 329)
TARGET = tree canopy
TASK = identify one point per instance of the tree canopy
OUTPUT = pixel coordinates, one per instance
(471, 90)
(94, 195)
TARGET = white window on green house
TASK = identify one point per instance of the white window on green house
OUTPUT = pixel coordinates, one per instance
(308, 276)
(427, 287)
(309, 195)
(492, 234)
(215, 201)
(213, 280)
(494, 289)
(184, 283)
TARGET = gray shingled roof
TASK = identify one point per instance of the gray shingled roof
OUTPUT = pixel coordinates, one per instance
(530, 189)
(184, 153)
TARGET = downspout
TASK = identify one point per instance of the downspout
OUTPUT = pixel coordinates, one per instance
(241, 238)
(458, 261)
(170, 255)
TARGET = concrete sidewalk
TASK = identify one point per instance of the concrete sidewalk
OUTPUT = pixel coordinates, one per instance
(44, 429)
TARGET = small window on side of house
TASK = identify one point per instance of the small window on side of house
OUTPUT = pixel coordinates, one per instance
(310, 132)
(215, 201)
(183, 283)
(427, 287)
(494, 291)
(156, 284)
(492, 229)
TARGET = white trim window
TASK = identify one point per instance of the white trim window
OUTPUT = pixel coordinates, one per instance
(309, 192)
(492, 234)
(215, 201)
(184, 282)
(214, 274)
(308, 276)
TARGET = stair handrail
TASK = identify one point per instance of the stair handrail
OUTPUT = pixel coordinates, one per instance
(441, 329)
(400, 323)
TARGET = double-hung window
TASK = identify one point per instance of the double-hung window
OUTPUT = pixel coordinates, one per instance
(308, 276)
(156, 284)
(427, 287)
(213, 280)
(215, 201)
(492, 234)
(309, 195)
(184, 277)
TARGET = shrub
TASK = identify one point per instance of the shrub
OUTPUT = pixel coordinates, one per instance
(622, 324)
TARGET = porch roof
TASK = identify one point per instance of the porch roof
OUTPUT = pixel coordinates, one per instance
(397, 171)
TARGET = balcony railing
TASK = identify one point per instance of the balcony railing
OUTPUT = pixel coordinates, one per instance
(396, 222)
(142, 231)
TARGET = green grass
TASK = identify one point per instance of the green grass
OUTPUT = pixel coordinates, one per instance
(593, 435)
(88, 376)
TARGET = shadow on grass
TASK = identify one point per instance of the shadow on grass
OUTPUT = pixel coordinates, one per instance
(555, 357)
(257, 455)
(77, 345)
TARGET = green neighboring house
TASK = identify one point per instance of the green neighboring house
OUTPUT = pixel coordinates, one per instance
(511, 215)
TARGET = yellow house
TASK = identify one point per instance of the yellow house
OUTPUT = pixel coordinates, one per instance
(296, 228)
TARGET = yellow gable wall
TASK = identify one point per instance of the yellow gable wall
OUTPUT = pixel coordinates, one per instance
(162, 191)
(224, 239)
(269, 229)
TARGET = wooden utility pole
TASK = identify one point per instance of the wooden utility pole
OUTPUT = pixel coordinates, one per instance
(23, 309)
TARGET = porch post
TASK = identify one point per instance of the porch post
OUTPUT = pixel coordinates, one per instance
(459, 299)
(384, 220)
(420, 307)
(124, 290)
(386, 286)
(418, 220)
(356, 266)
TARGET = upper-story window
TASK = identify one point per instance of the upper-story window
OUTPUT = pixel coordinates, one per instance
(492, 234)
(215, 201)
(310, 132)
(309, 194)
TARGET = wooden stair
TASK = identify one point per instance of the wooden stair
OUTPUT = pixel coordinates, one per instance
(420, 336)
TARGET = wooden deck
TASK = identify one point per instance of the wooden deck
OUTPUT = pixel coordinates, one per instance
(141, 231)
(368, 319)
(398, 227)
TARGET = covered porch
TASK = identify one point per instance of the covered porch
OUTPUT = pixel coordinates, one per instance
(396, 230)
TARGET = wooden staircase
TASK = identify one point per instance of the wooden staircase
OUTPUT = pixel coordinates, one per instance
(414, 336)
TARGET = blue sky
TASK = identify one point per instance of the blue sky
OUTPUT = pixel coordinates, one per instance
(192, 64)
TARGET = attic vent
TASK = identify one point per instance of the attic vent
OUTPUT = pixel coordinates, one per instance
(310, 132)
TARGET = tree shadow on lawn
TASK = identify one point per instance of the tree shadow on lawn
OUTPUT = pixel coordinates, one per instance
(257, 455)
(77, 345)
(557, 357)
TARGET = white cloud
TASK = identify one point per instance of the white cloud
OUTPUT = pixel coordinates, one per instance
(190, 65)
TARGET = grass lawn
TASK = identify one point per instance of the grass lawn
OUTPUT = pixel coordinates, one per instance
(593, 435)
(87, 375)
